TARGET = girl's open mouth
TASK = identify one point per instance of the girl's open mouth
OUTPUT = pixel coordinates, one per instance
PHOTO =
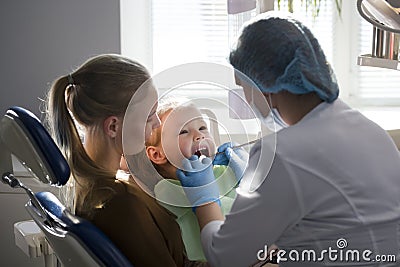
(202, 151)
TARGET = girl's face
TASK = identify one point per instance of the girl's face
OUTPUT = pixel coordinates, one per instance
(185, 133)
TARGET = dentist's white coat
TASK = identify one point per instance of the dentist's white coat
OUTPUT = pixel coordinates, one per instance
(335, 174)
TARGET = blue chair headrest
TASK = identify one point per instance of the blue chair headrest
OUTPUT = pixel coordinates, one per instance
(87, 234)
(48, 149)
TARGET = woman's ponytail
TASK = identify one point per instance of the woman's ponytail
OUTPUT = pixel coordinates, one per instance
(99, 88)
(60, 122)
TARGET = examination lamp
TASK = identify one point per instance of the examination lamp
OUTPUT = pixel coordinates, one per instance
(385, 18)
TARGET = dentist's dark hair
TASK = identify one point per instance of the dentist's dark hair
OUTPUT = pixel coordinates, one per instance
(99, 88)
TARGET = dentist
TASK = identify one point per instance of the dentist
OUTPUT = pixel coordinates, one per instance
(334, 179)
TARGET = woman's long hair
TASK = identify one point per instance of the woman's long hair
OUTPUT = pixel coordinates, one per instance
(99, 88)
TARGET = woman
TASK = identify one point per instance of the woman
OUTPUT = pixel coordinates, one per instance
(93, 99)
(331, 195)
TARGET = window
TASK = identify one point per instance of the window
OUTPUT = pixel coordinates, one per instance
(193, 31)
(188, 31)
(181, 31)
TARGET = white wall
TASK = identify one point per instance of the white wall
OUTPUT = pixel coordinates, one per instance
(39, 41)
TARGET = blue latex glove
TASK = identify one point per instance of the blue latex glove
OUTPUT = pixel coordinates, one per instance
(235, 158)
(198, 181)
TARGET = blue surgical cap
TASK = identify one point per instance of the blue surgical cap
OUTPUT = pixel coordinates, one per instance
(279, 53)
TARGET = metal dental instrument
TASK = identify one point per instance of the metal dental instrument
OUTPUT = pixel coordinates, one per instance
(241, 145)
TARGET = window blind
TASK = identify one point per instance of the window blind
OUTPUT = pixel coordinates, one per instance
(189, 31)
(201, 30)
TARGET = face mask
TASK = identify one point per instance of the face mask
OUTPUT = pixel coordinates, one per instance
(273, 121)
(279, 122)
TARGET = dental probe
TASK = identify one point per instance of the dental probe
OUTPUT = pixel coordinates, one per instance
(245, 144)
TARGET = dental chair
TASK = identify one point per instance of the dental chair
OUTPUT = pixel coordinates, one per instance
(75, 241)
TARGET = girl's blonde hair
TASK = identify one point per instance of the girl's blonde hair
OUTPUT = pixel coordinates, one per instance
(99, 88)
(165, 105)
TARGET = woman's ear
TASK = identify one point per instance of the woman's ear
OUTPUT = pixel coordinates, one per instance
(111, 126)
(156, 155)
